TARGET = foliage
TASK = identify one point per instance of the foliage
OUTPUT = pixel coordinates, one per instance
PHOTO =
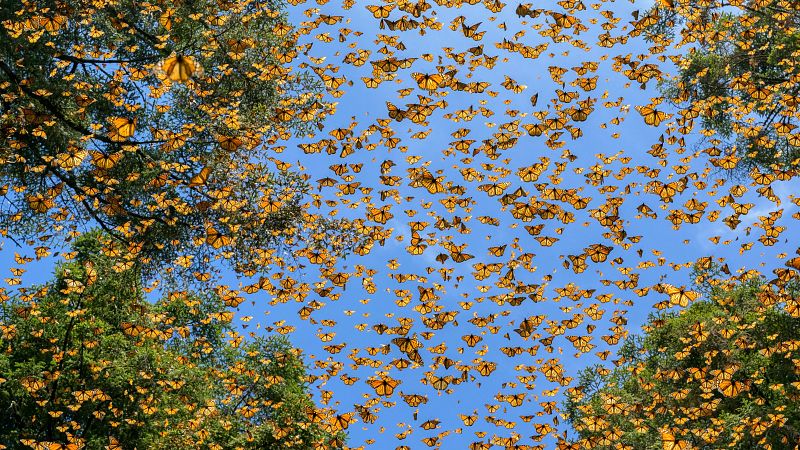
(719, 374)
(151, 120)
(87, 361)
(739, 74)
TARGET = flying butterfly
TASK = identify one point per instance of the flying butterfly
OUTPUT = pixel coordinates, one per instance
(179, 68)
(121, 128)
(653, 116)
(680, 296)
(384, 386)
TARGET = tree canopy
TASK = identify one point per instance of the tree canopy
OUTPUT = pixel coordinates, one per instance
(87, 362)
(718, 374)
(739, 74)
(154, 121)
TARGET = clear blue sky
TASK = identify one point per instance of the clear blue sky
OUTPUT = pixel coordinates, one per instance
(634, 139)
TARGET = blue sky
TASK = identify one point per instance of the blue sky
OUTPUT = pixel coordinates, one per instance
(683, 245)
(357, 308)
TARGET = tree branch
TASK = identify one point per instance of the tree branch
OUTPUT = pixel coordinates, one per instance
(77, 60)
(54, 110)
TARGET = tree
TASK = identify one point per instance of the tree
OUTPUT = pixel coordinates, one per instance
(152, 120)
(718, 374)
(739, 75)
(87, 361)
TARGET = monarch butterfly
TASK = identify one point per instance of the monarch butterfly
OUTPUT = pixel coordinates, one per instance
(497, 251)
(418, 114)
(326, 337)
(670, 442)
(113, 444)
(580, 115)
(405, 344)
(430, 441)
(201, 178)
(72, 158)
(486, 368)
(759, 92)
(121, 129)
(581, 343)
(429, 82)
(229, 143)
(652, 116)
(598, 252)
(39, 203)
(32, 384)
(552, 370)
(470, 31)
(45, 445)
(216, 239)
(427, 180)
(414, 399)
(384, 386)
(237, 47)
(52, 24)
(179, 68)
(386, 65)
(283, 114)
(593, 423)
(459, 256)
(477, 87)
(794, 263)
(558, 123)
(726, 384)
(440, 383)
(566, 96)
(666, 191)
(494, 189)
(471, 339)
(33, 117)
(728, 162)
(380, 12)
(680, 296)
(515, 399)
(371, 83)
(132, 329)
(761, 177)
(349, 381)
(381, 215)
(395, 113)
(342, 421)
(546, 241)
